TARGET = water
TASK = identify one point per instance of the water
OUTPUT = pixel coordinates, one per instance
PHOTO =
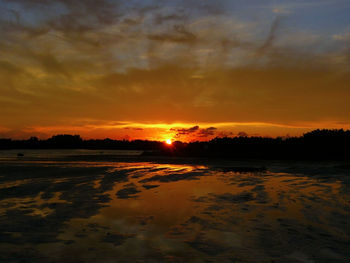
(51, 154)
(139, 211)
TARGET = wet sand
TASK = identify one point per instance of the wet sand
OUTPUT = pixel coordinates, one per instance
(77, 209)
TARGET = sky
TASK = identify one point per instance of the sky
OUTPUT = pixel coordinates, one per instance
(182, 69)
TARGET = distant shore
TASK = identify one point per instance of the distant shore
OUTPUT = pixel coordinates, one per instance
(316, 145)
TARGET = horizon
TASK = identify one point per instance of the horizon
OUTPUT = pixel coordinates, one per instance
(169, 141)
(176, 132)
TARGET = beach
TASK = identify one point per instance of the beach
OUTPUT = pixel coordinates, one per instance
(90, 206)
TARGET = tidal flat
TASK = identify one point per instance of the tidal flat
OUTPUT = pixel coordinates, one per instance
(95, 208)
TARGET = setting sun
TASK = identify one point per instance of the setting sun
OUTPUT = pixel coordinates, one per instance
(168, 141)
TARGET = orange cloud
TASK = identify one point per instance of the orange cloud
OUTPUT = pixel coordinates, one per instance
(157, 68)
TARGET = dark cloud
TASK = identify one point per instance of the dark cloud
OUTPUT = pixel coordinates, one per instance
(184, 131)
(195, 132)
(73, 21)
(271, 36)
(179, 34)
(242, 134)
(161, 18)
(206, 7)
(86, 15)
(223, 134)
(204, 133)
(132, 21)
(103, 10)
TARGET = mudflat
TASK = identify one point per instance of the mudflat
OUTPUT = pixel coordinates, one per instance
(134, 209)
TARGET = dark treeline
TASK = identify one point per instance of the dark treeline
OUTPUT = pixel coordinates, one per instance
(318, 144)
(66, 141)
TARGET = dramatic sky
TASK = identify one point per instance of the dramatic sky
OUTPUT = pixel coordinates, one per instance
(180, 69)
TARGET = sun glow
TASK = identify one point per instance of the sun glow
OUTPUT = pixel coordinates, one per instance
(168, 141)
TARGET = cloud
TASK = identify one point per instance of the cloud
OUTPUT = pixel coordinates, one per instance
(184, 131)
(204, 133)
(180, 35)
(223, 134)
(165, 63)
(242, 134)
(163, 18)
(194, 132)
(271, 36)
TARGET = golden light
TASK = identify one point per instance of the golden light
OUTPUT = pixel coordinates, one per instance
(168, 141)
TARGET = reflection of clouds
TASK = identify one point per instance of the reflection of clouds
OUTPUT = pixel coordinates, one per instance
(222, 215)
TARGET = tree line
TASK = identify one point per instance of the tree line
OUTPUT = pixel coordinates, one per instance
(317, 144)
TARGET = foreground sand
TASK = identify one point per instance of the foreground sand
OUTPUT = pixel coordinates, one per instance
(172, 210)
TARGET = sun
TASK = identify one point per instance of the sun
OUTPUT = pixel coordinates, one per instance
(168, 141)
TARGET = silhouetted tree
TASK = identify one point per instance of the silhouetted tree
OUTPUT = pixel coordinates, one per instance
(317, 144)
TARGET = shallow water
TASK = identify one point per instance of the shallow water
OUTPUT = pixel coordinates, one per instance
(70, 211)
(12, 155)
